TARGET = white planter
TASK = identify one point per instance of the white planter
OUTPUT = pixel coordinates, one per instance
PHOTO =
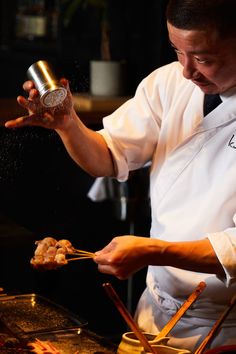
(107, 78)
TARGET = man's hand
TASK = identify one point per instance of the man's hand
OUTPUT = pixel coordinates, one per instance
(52, 118)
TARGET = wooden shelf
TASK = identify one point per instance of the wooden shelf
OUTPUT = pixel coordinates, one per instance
(91, 109)
(88, 103)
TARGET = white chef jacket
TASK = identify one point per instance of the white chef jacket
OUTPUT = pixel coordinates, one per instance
(192, 191)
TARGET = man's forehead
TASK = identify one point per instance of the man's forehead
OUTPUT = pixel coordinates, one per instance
(194, 40)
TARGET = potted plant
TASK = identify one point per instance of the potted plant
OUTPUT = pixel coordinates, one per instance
(106, 75)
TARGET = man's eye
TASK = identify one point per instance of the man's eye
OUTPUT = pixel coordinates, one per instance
(201, 61)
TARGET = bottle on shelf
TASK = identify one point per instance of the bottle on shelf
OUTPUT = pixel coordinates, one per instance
(37, 20)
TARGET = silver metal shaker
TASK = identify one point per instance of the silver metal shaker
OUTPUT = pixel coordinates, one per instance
(51, 92)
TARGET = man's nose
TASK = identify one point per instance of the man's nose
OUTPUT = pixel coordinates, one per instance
(189, 69)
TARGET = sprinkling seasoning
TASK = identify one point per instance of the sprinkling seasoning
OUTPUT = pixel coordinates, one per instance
(52, 93)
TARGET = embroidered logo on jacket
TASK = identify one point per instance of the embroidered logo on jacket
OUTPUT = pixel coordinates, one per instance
(232, 142)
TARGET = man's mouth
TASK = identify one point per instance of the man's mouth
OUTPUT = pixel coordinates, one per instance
(201, 83)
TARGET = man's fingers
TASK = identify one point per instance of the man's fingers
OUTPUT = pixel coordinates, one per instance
(42, 120)
(18, 122)
(28, 85)
(22, 101)
(31, 119)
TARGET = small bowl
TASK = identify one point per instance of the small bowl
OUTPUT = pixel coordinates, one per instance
(131, 345)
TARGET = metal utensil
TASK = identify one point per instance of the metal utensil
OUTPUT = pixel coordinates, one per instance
(51, 92)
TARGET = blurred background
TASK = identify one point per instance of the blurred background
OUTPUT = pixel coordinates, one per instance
(43, 192)
(70, 38)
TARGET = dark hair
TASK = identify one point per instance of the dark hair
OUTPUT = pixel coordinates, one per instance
(200, 14)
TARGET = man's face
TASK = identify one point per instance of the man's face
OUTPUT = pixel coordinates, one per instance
(209, 62)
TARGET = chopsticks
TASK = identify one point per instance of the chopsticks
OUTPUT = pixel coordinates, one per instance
(128, 318)
(190, 300)
(126, 315)
(80, 254)
(217, 324)
(83, 252)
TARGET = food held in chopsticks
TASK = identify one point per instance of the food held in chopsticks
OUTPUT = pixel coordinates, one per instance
(51, 253)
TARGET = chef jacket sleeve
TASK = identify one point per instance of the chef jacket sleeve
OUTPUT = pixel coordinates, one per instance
(224, 244)
(132, 131)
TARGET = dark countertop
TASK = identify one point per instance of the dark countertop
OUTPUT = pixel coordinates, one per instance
(36, 320)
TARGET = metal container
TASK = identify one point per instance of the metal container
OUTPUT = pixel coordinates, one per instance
(51, 92)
